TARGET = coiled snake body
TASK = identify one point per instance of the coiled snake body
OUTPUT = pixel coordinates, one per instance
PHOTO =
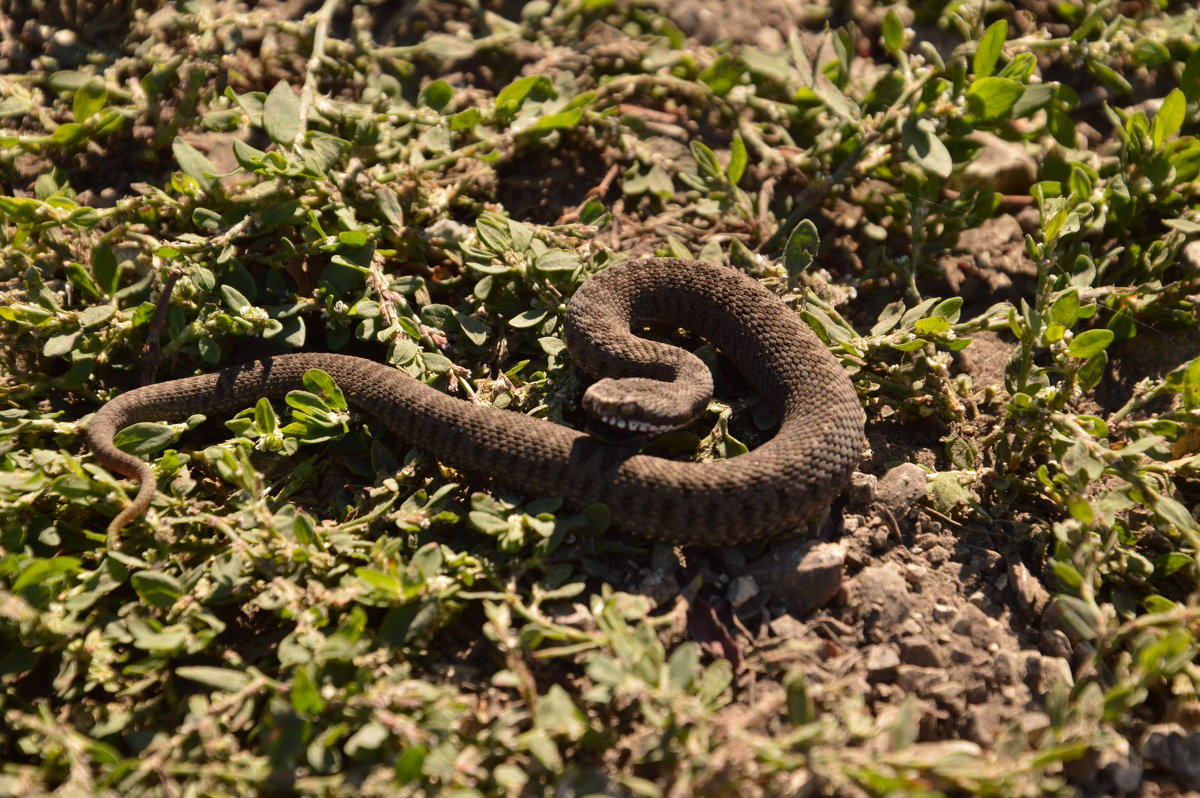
(646, 387)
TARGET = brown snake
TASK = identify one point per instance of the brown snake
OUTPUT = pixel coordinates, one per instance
(645, 387)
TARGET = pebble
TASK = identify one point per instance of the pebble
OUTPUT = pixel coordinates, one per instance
(742, 590)
(1049, 672)
(862, 488)
(900, 488)
(1003, 166)
(806, 575)
(1121, 766)
(884, 600)
(918, 679)
(1173, 749)
(1056, 643)
(882, 662)
(976, 692)
(1004, 668)
(1032, 596)
(916, 651)
(1032, 724)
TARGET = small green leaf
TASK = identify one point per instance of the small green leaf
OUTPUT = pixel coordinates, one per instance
(323, 386)
(922, 145)
(562, 119)
(1174, 513)
(68, 134)
(234, 300)
(934, 325)
(1090, 343)
(705, 159)
(436, 95)
(527, 319)
(466, 119)
(226, 679)
(1109, 77)
(737, 161)
(144, 437)
(306, 698)
(96, 314)
(104, 268)
(89, 99)
(1169, 563)
(194, 164)
(1191, 385)
(1149, 53)
(1080, 619)
(281, 115)
(1065, 309)
(1169, 118)
(512, 96)
(801, 248)
(380, 581)
(893, 32)
(474, 329)
(156, 588)
(1092, 371)
(1189, 82)
(59, 345)
(990, 46)
(993, 98)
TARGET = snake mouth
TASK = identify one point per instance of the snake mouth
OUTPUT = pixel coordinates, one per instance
(617, 417)
(632, 425)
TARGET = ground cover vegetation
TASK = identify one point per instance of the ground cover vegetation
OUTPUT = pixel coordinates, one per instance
(313, 607)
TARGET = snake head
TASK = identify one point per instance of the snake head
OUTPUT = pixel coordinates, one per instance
(636, 407)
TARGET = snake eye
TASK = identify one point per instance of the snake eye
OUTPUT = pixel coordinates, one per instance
(628, 409)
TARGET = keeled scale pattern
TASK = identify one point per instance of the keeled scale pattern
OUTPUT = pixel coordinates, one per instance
(779, 485)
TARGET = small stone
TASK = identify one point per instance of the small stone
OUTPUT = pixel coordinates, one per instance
(969, 619)
(862, 488)
(742, 590)
(919, 680)
(882, 661)
(1004, 668)
(915, 574)
(1056, 643)
(1003, 166)
(1048, 672)
(960, 655)
(1032, 724)
(1172, 748)
(805, 575)
(1121, 766)
(976, 692)
(883, 598)
(879, 539)
(1032, 596)
(951, 695)
(1186, 713)
(788, 627)
(915, 651)
(900, 488)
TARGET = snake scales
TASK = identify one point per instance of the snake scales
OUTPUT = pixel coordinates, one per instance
(646, 386)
